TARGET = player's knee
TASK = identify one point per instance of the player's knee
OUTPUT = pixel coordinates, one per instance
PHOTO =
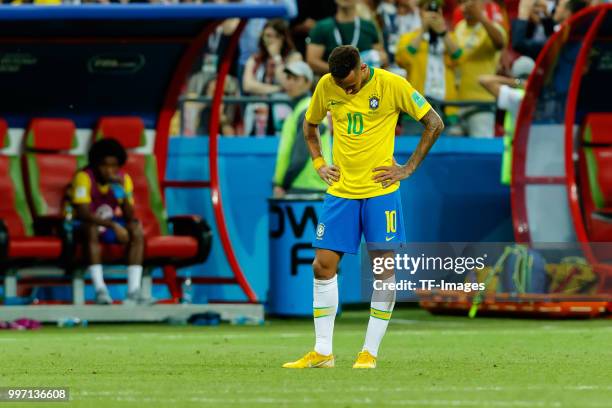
(136, 232)
(323, 270)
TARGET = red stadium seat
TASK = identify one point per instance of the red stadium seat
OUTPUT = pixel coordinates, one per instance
(49, 165)
(20, 246)
(595, 166)
(191, 238)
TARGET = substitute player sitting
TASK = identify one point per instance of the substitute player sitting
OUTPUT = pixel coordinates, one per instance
(102, 196)
(363, 196)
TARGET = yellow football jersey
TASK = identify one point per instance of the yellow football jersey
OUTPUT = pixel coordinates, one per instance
(80, 190)
(364, 128)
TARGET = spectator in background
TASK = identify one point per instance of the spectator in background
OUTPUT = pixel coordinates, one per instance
(428, 55)
(215, 48)
(536, 22)
(227, 113)
(509, 93)
(263, 74)
(207, 69)
(481, 42)
(533, 26)
(344, 28)
(367, 10)
(36, 2)
(398, 17)
(294, 172)
(309, 12)
(249, 39)
(491, 8)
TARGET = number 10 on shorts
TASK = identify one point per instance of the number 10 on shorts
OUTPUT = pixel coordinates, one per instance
(391, 221)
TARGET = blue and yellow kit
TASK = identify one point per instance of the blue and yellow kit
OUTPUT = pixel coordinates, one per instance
(364, 138)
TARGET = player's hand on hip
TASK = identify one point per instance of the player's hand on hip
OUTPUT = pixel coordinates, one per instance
(389, 175)
(329, 174)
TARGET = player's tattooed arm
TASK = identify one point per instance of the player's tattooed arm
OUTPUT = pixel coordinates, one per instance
(433, 128)
(328, 173)
(388, 175)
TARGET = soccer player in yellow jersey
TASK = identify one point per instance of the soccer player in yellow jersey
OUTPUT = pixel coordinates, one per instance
(363, 196)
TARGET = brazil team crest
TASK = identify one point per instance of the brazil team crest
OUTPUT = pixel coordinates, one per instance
(320, 230)
(374, 102)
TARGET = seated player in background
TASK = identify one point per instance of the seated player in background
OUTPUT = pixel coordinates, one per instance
(101, 194)
(363, 196)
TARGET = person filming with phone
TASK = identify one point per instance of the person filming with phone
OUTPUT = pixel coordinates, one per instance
(428, 55)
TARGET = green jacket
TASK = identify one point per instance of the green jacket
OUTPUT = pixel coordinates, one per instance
(509, 127)
(294, 170)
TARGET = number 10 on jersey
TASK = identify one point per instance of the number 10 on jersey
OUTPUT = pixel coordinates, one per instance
(355, 123)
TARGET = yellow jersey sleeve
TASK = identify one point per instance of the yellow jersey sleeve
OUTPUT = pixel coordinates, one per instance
(81, 189)
(128, 186)
(408, 99)
(317, 111)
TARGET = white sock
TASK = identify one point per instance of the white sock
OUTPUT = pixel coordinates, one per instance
(97, 278)
(381, 308)
(134, 277)
(324, 308)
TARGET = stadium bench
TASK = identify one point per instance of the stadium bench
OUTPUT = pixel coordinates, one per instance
(50, 169)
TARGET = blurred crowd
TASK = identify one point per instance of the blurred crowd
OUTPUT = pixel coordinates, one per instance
(471, 58)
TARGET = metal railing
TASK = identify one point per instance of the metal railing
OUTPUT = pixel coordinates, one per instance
(439, 105)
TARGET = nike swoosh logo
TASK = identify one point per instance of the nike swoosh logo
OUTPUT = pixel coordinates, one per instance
(390, 238)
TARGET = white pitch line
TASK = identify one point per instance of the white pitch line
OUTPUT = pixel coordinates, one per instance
(435, 322)
(533, 331)
(357, 401)
(111, 338)
(233, 390)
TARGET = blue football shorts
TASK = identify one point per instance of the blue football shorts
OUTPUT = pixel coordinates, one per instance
(343, 221)
(107, 235)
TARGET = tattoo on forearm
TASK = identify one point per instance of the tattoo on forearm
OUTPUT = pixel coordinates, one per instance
(433, 127)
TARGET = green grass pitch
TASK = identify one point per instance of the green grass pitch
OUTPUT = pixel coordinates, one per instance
(425, 361)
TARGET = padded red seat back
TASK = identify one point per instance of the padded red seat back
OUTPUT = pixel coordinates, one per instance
(14, 210)
(598, 129)
(50, 167)
(597, 148)
(142, 168)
